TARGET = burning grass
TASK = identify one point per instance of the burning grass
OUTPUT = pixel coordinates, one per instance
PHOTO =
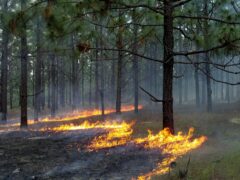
(75, 115)
(120, 134)
(73, 157)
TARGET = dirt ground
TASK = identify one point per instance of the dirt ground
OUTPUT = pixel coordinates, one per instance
(47, 155)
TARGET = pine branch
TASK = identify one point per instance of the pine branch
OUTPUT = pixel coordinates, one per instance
(153, 98)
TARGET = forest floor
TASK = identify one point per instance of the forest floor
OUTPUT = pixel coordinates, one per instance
(47, 155)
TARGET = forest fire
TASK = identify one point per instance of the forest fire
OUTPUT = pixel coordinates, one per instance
(87, 113)
(117, 136)
(75, 115)
(172, 146)
(120, 134)
(90, 125)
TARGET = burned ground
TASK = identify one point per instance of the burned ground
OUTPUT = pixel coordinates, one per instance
(31, 155)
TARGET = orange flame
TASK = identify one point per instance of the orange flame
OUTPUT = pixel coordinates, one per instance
(119, 135)
(172, 146)
(75, 115)
(89, 125)
(87, 113)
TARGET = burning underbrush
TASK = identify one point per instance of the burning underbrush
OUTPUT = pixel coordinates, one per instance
(118, 135)
(71, 116)
(109, 149)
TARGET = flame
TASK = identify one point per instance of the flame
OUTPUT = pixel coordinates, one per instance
(90, 125)
(171, 146)
(75, 115)
(87, 113)
(119, 135)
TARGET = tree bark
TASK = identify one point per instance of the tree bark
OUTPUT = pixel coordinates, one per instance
(74, 82)
(38, 73)
(102, 91)
(62, 87)
(135, 65)
(119, 66)
(196, 78)
(96, 78)
(90, 85)
(168, 42)
(53, 85)
(113, 79)
(24, 71)
(4, 68)
(207, 59)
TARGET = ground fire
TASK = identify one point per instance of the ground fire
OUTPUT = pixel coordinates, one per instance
(75, 115)
(120, 134)
(116, 133)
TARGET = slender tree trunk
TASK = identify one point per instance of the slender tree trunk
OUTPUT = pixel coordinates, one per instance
(90, 85)
(4, 68)
(119, 66)
(49, 81)
(38, 73)
(102, 93)
(62, 87)
(227, 89)
(186, 82)
(43, 93)
(96, 77)
(168, 41)
(222, 85)
(82, 82)
(53, 85)
(180, 86)
(113, 79)
(74, 83)
(180, 71)
(24, 71)
(196, 78)
(207, 59)
(11, 97)
(135, 65)
(56, 82)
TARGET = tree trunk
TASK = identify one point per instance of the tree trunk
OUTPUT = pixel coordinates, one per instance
(90, 85)
(43, 93)
(53, 85)
(180, 86)
(135, 65)
(96, 77)
(196, 78)
(227, 98)
(4, 69)
(62, 87)
(82, 82)
(74, 83)
(49, 82)
(207, 59)
(113, 79)
(11, 97)
(168, 42)
(102, 93)
(24, 71)
(38, 73)
(119, 66)
(180, 71)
